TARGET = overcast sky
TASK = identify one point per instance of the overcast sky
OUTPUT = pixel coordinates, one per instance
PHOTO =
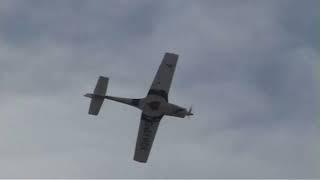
(247, 66)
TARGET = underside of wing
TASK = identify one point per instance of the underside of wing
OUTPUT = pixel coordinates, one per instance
(163, 78)
(147, 132)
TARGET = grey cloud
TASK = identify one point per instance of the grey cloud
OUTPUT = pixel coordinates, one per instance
(248, 67)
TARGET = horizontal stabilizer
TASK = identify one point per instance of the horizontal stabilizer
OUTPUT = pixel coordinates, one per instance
(98, 97)
(95, 106)
(101, 86)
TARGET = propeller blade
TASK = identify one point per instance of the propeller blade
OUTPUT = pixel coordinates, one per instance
(190, 111)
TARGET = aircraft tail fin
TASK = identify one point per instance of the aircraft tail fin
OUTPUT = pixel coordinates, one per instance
(98, 95)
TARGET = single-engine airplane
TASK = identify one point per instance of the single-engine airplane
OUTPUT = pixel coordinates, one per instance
(154, 106)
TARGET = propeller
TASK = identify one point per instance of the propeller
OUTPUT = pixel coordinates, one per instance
(190, 112)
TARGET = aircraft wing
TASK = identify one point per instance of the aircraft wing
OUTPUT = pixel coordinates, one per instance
(147, 131)
(163, 78)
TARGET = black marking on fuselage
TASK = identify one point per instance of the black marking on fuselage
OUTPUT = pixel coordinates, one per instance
(178, 110)
(154, 105)
(135, 102)
(160, 93)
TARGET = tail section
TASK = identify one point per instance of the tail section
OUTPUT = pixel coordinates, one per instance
(98, 95)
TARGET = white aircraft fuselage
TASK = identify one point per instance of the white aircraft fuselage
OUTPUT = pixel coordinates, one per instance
(152, 105)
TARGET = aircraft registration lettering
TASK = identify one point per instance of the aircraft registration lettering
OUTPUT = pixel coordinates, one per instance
(145, 144)
(146, 138)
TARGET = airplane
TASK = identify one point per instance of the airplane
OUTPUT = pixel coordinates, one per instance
(154, 106)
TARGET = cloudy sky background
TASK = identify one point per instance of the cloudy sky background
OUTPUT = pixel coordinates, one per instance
(248, 67)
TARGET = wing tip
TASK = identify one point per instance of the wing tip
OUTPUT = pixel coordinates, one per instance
(103, 77)
(171, 54)
(140, 160)
(141, 157)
